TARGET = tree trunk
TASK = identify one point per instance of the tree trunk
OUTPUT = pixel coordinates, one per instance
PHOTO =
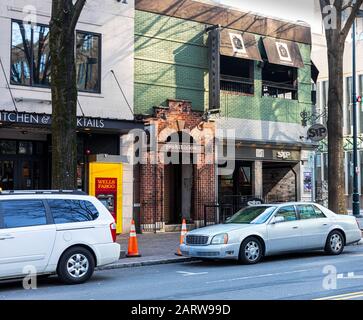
(336, 180)
(64, 93)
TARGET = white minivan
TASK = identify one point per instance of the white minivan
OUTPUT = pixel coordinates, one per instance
(67, 233)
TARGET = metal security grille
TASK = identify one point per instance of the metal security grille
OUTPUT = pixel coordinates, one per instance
(197, 240)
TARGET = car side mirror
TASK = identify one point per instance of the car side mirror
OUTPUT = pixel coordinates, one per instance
(278, 219)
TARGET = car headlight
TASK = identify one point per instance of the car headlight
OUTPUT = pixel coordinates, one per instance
(220, 239)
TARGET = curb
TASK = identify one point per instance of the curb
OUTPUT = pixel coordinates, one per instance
(121, 265)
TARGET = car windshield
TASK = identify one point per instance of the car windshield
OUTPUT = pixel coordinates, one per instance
(252, 215)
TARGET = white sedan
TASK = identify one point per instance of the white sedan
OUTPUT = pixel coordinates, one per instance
(262, 230)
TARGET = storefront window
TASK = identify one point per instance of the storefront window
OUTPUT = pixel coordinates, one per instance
(7, 147)
(30, 57)
(25, 147)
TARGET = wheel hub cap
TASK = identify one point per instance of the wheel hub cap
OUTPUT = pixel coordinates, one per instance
(336, 242)
(252, 251)
(77, 265)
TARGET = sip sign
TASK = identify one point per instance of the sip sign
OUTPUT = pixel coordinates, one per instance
(317, 132)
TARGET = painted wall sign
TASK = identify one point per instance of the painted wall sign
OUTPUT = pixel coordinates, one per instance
(9, 117)
(180, 147)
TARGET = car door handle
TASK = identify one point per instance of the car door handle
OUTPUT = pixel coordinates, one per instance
(6, 237)
(296, 227)
(325, 224)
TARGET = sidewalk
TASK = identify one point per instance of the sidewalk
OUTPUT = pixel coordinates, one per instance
(155, 248)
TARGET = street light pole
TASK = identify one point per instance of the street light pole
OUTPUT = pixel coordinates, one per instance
(356, 195)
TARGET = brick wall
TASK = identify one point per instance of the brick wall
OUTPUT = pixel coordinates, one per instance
(152, 177)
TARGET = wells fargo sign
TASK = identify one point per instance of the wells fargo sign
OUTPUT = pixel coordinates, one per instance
(106, 184)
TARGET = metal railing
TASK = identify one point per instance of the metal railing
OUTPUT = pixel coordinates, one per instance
(279, 90)
(237, 84)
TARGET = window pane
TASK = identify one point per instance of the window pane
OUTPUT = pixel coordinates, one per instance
(307, 212)
(87, 62)
(25, 147)
(7, 147)
(21, 54)
(41, 65)
(319, 213)
(22, 213)
(288, 213)
(68, 211)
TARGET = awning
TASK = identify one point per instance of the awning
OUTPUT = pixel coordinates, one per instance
(314, 72)
(239, 44)
(283, 52)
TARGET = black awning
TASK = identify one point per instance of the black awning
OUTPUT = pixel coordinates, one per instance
(283, 52)
(239, 44)
(314, 72)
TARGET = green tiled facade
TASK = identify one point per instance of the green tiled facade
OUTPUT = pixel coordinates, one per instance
(171, 61)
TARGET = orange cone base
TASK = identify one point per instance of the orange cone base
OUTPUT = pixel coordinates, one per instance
(136, 255)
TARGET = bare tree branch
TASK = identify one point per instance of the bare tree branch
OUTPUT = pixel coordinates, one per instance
(351, 18)
(348, 5)
(76, 12)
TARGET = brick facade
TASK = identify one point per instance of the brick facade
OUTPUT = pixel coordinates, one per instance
(177, 117)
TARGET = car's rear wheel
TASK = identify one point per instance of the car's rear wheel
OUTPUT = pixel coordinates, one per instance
(76, 266)
(334, 243)
(251, 251)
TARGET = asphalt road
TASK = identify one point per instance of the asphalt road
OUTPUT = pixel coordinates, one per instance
(299, 276)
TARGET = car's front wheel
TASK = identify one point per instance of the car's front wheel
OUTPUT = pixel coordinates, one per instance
(76, 266)
(251, 251)
(334, 243)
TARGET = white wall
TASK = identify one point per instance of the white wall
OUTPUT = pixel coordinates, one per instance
(115, 21)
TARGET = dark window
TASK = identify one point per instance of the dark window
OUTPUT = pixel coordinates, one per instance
(30, 57)
(7, 147)
(288, 213)
(22, 213)
(25, 147)
(68, 211)
(279, 81)
(310, 212)
(88, 66)
(237, 75)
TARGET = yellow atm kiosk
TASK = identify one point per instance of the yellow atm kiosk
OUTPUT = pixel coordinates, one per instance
(105, 183)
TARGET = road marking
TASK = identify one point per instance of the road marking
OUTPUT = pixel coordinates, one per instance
(188, 274)
(345, 296)
(257, 276)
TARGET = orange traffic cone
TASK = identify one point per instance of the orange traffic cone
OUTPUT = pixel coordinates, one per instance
(182, 235)
(133, 250)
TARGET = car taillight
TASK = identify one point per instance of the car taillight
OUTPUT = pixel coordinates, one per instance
(113, 231)
(356, 220)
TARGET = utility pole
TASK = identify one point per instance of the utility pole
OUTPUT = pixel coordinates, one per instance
(356, 193)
